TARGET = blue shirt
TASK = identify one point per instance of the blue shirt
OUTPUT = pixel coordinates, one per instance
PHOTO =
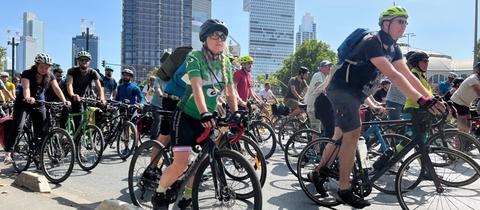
(444, 87)
(176, 86)
(129, 91)
(108, 85)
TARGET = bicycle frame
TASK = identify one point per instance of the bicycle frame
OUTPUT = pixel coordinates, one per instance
(83, 123)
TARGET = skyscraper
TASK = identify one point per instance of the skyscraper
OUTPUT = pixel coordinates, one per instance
(271, 33)
(201, 11)
(31, 43)
(307, 30)
(149, 28)
(79, 43)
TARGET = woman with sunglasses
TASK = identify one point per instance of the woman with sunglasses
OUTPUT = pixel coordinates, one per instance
(209, 73)
(352, 83)
(34, 82)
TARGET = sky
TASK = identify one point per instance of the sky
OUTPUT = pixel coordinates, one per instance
(444, 26)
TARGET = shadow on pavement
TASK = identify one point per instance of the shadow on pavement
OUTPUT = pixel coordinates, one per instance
(66, 202)
(293, 203)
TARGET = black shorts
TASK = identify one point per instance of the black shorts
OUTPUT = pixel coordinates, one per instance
(185, 131)
(345, 106)
(461, 109)
(168, 104)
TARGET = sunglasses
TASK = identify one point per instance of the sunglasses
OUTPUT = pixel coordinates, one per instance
(402, 21)
(218, 35)
(83, 59)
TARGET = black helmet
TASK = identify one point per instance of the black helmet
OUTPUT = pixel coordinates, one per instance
(210, 26)
(416, 57)
(303, 70)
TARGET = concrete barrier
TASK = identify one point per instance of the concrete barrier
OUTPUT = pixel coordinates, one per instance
(116, 205)
(33, 181)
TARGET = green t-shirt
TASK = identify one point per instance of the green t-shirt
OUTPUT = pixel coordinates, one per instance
(198, 67)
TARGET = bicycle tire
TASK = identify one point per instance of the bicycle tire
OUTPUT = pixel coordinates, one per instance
(408, 167)
(465, 142)
(130, 130)
(295, 145)
(259, 162)
(140, 186)
(286, 130)
(54, 151)
(219, 155)
(21, 151)
(95, 150)
(265, 136)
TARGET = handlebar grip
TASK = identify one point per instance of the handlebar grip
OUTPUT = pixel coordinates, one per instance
(204, 135)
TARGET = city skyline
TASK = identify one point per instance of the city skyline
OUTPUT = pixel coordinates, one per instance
(307, 30)
(79, 43)
(450, 33)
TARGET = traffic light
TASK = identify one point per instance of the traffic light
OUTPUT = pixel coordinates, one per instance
(103, 63)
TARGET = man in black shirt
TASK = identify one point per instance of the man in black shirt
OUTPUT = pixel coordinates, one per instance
(49, 93)
(381, 93)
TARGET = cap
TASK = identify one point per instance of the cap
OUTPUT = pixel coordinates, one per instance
(325, 63)
(4, 74)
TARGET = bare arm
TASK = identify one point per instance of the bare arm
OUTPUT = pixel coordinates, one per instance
(26, 88)
(398, 79)
(99, 87)
(403, 69)
(70, 85)
(231, 97)
(294, 92)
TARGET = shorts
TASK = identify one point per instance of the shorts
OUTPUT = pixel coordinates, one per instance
(291, 103)
(461, 109)
(185, 131)
(345, 106)
(168, 104)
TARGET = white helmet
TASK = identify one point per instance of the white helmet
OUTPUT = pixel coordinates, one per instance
(128, 71)
(452, 75)
(44, 58)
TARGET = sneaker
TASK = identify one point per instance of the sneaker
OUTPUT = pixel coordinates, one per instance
(318, 182)
(8, 160)
(347, 197)
(160, 201)
(185, 204)
(125, 151)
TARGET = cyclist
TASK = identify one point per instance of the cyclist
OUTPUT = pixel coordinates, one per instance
(244, 84)
(267, 94)
(297, 88)
(446, 85)
(381, 94)
(209, 72)
(79, 80)
(468, 91)
(129, 90)
(49, 92)
(381, 53)
(149, 89)
(317, 103)
(9, 88)
(156, 104)
(34, 81)
(109, 84)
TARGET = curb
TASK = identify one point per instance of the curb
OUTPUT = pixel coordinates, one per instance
(33, 182)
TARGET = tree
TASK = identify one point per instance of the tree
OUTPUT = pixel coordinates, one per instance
(3, 53)
(309, 54)
(153, 72)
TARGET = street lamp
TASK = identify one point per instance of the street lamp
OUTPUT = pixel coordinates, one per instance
(15, 40)
(408, 35)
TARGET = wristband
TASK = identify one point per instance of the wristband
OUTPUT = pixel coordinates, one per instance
(423, 100)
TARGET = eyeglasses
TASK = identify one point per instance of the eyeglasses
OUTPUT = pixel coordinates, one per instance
(402, 21)
(218, 35)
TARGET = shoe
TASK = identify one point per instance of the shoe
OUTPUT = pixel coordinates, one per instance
(125, 152)
(318, 182)
(160, 201)
(185, 204)
(8, 160)
(347, 197)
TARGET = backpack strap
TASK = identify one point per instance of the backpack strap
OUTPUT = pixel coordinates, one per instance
(357, 63)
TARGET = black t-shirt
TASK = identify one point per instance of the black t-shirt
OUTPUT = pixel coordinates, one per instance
(363, 79)
(380, 94)
(50, 94)
(80, 83)
(37, 90)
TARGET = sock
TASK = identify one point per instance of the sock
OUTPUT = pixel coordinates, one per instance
(161, 189)
(187, 193)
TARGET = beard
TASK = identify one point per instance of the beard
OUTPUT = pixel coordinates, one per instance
(126, 80)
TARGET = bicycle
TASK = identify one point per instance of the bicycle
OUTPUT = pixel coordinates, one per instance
(88, 138)
(292, 124)
(445, 160)
(209, 155)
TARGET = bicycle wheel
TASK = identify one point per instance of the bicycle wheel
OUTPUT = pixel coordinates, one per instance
(265, 137)
(90, 148)
(460, 169)
(21, 151)
(308, 160)
(57, 155)
(126, 140)
(250, 150)
(287, 129)
(212, 194)
(145, 171)
(455, 139)
(295, 145)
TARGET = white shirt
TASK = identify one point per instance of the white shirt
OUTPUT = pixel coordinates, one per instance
(317, 79)
(465, 93)
(266, 95)
(148, 91)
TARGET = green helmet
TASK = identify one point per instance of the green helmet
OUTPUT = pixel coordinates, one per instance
(84, 54)
(246, 59)
(392, 12)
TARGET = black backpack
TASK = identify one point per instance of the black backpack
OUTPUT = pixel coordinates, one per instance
(172, 62)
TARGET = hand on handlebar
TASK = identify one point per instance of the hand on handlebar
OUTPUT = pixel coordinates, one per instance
(207, 120)
(30, 100)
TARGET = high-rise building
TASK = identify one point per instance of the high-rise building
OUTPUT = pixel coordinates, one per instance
(31, 43)
(79, 43)
(307, 30)
(149, 28)
(7, 64)
(271, 33)
(201, 11)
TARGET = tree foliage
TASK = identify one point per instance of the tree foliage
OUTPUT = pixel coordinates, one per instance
(3, 53)
(153, 72)
(309, 54)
